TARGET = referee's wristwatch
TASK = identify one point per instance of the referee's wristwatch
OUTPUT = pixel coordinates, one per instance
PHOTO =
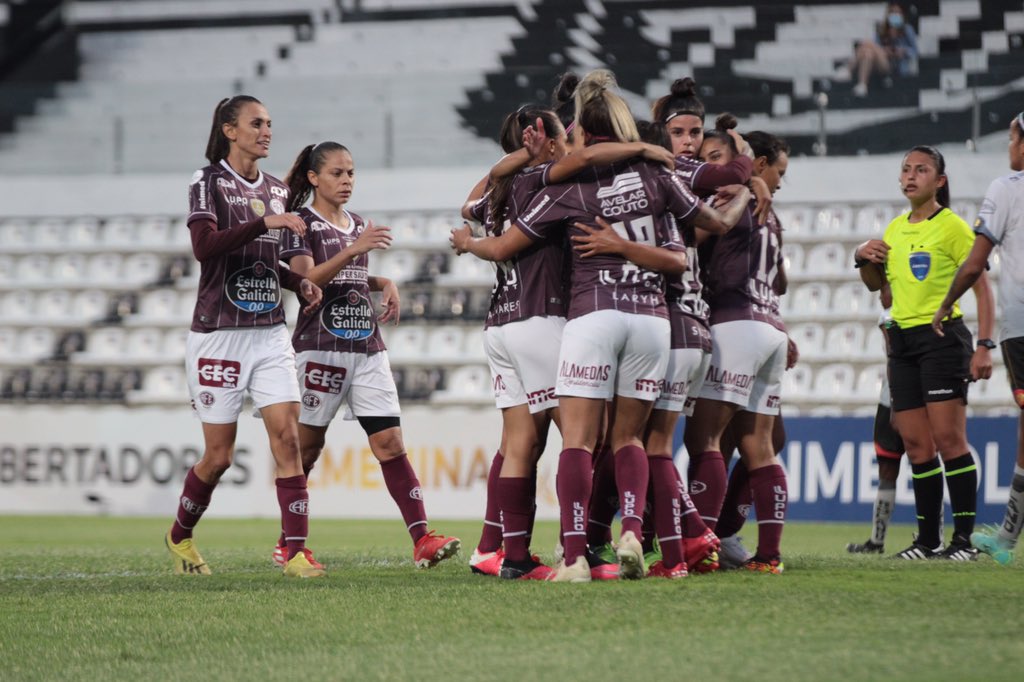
(986, 343)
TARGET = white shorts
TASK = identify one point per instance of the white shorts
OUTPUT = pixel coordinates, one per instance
(222, 365)
(748, 360)
(683, 379)
(524, 363)
(608, 353)
(329, 379)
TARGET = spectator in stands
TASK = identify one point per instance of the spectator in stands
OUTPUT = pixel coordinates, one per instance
(615, 344)
(929, 374)
(341, 356)
(892, 52)
(239, 341)
(1001, 223)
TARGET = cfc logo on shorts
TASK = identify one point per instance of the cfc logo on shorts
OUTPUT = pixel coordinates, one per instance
(324, 378)
(219, 373)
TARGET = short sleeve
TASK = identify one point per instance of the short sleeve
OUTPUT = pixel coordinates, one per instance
(960, 241)
(200, 197)
(994, 213)
(478, 210)
(546, 212)
(292, 245)
(679, 200)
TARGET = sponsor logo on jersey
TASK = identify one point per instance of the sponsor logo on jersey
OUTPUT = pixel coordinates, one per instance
(920, 264)
(206, 399)
(318, 226)
(218, 373)
(499, 385)
(300, 507)
(258, 207)
(310, 401)
(228, 184)
(235, 200)
(279, 192)
(256, 289)
(536, 209)
(348, 317)
(324, 378)
(727, 378)
(625, 195)
(774, 401)
(201, 200)
(277, 206)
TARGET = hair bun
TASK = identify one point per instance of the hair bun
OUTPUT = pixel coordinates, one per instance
(684, 87)
(726, 121)
(566, 88)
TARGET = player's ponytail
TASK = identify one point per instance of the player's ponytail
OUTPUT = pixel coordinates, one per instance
(511, 139)
(226, 113)
(311, 158)
(682, 99)
(942, 193)
(600, 111)
(564, 103)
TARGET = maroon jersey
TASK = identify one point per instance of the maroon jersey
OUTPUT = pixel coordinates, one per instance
(687, 310)
(743, 272)
(705, 178)
(243, 287)
(633, 196)
(345, 322)
(534, 282)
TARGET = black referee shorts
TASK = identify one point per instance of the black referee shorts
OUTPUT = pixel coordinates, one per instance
(927, 368)
(1013, 359)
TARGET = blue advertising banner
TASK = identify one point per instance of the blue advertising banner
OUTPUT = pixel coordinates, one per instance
(833, 476)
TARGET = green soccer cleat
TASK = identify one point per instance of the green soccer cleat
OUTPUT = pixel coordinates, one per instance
(989, 542)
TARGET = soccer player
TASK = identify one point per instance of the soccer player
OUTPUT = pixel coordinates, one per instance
(616, 340)
(1001, 223)
(341, 357)
(238, 341)
(928, 373)
(889, 451)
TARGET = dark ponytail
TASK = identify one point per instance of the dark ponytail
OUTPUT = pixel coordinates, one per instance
(771, 147)
(654, 132)
(564, 102)
(311, 158)
(511, 138)
(942, 193)
(218, 146)
(723, 124)
(682, 99)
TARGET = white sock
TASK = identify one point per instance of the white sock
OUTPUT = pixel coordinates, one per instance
(1009, 531)
(881, 512)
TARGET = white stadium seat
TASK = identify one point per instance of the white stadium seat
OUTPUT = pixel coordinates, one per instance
(794, 256)
(446, 343)
(474, 346)
(397, 265)
(15, 234)
(145, 345)
(811, 300)
(68, 269)
(89, 305)
(105, 268)
(8, 343)
(173, 344)
(469, 384)
(852, 300)
(869, 382)
(833, 222)
(797, 221)
(54, 306)
(845, 341)
(872, 221)
(809, 338)
(17, 306)
(8, 276)
(106, 344)
(84, 232)
(406, 343)
(796, 383)
(50, 233)
(834, 383)
(141, 268)
(120, 232)
(829, 258)
(162, 385)
(33, 269)
(36, 343)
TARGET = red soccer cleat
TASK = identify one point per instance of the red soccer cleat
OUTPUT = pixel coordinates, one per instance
(660, 570)
(280, 557)
(486, 563)
(701, 547)
(759, 565)
(431, 549)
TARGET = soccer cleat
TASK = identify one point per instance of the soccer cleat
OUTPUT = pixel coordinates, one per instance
(600, 568)
(867, 547)
(280, 555)
(299, 566)
(990, 543)
(708, 564)
(187, 560)
(559, 552)
(917, 551)
(651, 558)
(732, 553)
(631, 557)
(577, 572)
(702, 547)
(605, 553)
(660, 570)
(431, 549)
(759, 565)
(525, 570)
(959, 549)
(486, 563)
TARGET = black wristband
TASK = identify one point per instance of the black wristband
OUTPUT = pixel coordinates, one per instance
(986, 343)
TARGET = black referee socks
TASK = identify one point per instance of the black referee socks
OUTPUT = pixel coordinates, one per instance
(928, 501)
(962, 482)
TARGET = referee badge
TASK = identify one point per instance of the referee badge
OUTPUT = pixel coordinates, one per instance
(920, 264)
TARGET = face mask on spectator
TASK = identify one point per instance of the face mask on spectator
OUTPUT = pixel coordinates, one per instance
(896, 20)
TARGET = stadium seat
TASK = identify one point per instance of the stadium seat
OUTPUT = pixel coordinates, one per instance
(54, 306)
(398, 265)
(17, 306)
(84, 232)
(468, 270)
(810, 301)
(105, 269)
(173, 344)
(446, 343)
(15, 235)
(120, 233)
(145, 345)
(834, 383)
(36, 343)
(809, 338)
(797, 221)
(160, 306)
(852, 300)
(438, 227)
(33, 269)
(8, 343)
(406, 344)
(89, 305)
(473, 350)
(141, 268)
(50, 234)
(151, 232)
(8, 277)
(796, 383)
(104, 345)
(470, 385)
(68, 269)
(845, 341)
(872, 221)
(869, 383)
(162, 385)
(794, 256)
(833, 222)
(829, 259)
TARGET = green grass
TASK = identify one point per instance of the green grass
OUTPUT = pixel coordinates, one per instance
(94, 599)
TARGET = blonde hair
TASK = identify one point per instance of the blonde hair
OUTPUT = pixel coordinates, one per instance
(602, 112)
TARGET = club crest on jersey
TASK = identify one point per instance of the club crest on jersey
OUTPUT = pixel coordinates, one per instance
(349, 317)
(254, 289)
(920, 264)
(277, 206)
(258, 207)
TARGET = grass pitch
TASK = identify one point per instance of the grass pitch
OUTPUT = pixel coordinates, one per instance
(94, 599)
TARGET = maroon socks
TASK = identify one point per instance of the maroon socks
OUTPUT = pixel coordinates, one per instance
(693, 524)
(771, 499)
(667, 510)
(604, 500)
(490, 538)
(194, 500)
(515, 496)
(738, 499)
(631, 474)
(707, 485)
(293, 499)
(405, 490)
(573, 482)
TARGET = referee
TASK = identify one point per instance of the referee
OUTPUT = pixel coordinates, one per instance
(928, 373)
(1001, 223)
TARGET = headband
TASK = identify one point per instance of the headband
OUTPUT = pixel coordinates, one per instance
(682, 113)
(570, 128)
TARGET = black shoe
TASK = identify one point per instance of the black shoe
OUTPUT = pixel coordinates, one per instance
(868, 547)
(960, 549)
(523, 570)
(918, 551)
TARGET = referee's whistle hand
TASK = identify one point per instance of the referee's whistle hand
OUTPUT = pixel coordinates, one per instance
(874, 250)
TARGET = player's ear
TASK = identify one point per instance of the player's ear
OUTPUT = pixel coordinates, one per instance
(311, 176)
(229, 131)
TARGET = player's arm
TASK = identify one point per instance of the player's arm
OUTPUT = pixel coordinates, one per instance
(390, 299)
(969, 274)
(373, 237)
(604, 153)
(723, 218)
(601, 239)
(870, 261)
(981, 361)
(496, 248)
(475, 195)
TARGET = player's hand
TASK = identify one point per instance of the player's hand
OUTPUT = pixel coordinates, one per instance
(391, 302)
(373, 237)
(313, 295)
(741, 143)
(598, 240)
(534, 138)
(659, 154)
(874, 250)
(460, 239)
(792, 353)
(981, 364)
(763, 195)
(286, 221)
(940, 315)
(727, 193)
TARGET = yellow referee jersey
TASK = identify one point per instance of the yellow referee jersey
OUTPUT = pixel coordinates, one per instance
(923, 259)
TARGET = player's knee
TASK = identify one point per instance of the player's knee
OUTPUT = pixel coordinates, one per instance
(217, 460)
